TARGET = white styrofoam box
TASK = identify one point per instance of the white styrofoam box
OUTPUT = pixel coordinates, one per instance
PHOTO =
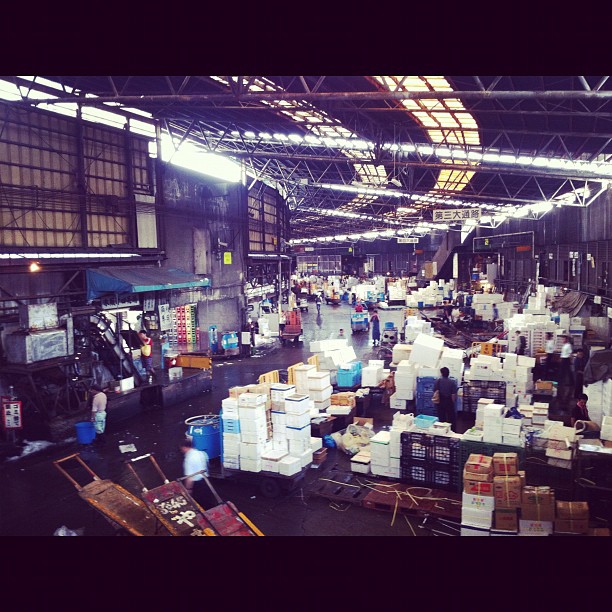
(254, 437)
(250, 465)
(321, 406)
(512, 440)
(252, 399)
(251, 451)
(338, 410)
(320, 395)
(253, 425)
(467, 530)
(535, 528)
(278, 417)
(528, 362)
(406, 383)
(317, 381)
(395, 451)
(297, 404)
(318, 346)
(371, 376)
(401, 352)
(382, 437)
(387, 471)
(267, 465)
(380, 457)
(301, 377)
(523, 373)
(475, 517)
(280, 444)
(404, 394)
(376, 363)
(297, 447)
(397, 404)
(316, 443)
(301, 433)
(478, 502)
(228, 438)
(250, 413)
(278, 392)
(279, 431)
(273, 454)
(360, 465)
(491, 438)
(306, 458)
(426, 350)
(298, 420)
(288, 466)
(231, 464)
(494, 410)
(229, 405)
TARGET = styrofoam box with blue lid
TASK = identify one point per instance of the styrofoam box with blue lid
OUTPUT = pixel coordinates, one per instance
(280, 391)
(297, 404)
(298, 433)
(298, 420)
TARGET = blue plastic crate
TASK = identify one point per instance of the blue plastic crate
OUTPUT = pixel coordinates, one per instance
(348, 379)
(425, 384)
(230, 425)
(423, 421)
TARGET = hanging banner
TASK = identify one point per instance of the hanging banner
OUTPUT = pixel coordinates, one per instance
(456, 214)
(11, 414)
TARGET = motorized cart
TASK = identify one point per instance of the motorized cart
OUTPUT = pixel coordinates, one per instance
(332, 298)
(360, 321)
(119, 507)
(303, 305)
(176, 509)
(292, 330)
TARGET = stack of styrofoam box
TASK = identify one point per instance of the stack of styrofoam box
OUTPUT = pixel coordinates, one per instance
(316, 444)
(540, 414)
(482, 403)
(405, 381)
(278, 393)
(492, 430)
(511, 432)
(380, 451)
(426, 351)
(453, 360)
(279, 429)
(231, 440)
(527, 411)
(253, 430)
(473, 435)
(319, 389)
(595, 391)
(606, 428)
(298, 434)
(415, 326)
(524, 374)
(301, 378)
(485, 367)
(560, 445)
(371, 376)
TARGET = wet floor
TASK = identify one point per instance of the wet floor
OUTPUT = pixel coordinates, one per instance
(37, 499)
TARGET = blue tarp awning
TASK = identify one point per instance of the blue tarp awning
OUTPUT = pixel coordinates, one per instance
(102, 281)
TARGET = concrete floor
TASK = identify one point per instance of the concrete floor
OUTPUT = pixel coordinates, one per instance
(36, 499)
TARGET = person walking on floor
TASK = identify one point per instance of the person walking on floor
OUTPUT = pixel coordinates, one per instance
(566, 376)
(447, 390)
(375, 324)
(318, 302)
(195, 460)
(521, 343)
(98, 411)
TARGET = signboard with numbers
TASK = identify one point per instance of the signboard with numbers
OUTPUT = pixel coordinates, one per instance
(407, 241)
(456, 214)
(11, 414)
(165, 320)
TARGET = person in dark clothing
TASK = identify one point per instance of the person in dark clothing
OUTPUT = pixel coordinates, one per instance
(521, 343)
(580, 412)
(375, 323)
(580, 362)
(448, 396)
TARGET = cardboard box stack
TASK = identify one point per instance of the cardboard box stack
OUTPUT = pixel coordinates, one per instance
(478, 500)
(537, 511)
(342, 403)
(572, 517)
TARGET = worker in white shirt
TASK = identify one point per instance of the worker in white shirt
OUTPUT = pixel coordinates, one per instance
(566, 375)
(550, 351)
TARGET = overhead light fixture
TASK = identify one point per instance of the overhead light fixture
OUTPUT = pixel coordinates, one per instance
(34, 267)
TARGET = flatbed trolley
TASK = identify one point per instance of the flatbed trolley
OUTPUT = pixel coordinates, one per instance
(176, 509)
(119, 507)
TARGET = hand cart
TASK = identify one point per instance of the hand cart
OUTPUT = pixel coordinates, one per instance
(176, 509)
(360, 322)
(118, 506)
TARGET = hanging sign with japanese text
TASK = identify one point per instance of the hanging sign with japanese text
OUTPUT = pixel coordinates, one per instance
(11, 414)
(456, 214)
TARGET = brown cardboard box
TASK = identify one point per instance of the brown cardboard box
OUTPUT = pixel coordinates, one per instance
(236, 391)
(479, 464)
(599, 531)
(363, 422)
(506, 519)
(572, 510)
(507, 491)
(505, 464)
(538, 512)
(544, 385)
(472, 476)
(543, 496)
(571, 525)
(476, 487)
(346, 398)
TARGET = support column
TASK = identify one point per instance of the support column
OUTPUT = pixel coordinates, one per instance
(81, 183)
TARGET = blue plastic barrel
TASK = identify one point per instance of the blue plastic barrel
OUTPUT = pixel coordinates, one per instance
(229, 340)
(85, 431)
(205, 432)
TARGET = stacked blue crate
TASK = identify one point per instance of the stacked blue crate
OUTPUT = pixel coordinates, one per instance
(349, 374)
(425, 391)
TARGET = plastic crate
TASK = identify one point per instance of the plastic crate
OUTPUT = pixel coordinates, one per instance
(424, 405)
(346, 378)
(424, 422)
(477, 389)
(439, 451)
(425, 384)
(426, 475)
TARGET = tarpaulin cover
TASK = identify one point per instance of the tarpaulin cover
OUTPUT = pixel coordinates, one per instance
(599, 367)
(102, 281)
(571, 303)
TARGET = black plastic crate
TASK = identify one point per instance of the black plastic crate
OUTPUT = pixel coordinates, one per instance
(427, 475)
(439, 451)
(477, 389)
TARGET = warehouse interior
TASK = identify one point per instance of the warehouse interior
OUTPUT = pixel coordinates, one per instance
(251, 227)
